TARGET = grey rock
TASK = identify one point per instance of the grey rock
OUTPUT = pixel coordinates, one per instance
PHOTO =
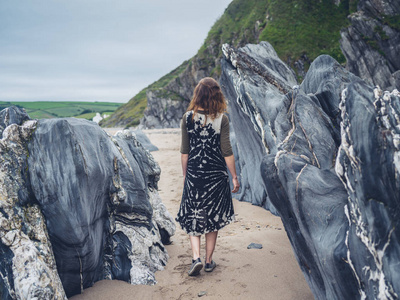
(144, 140)
(12, 115)
(254, 81)
(329, 162)
(202, 293)
(98, 195)
(162, 111)
(254, 246)
(371, 46)
(368, 165)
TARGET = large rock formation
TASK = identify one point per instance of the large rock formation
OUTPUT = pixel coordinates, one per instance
(254, 96)
(69, 189)
(371, 44)
(330, 164)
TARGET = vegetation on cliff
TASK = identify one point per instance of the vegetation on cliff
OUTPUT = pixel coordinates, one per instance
(298, 30)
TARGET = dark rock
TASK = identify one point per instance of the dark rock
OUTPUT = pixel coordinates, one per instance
(368, 165)
(330, 166)
(98, 195)
(371, 45)
(253, 83)
(254, 246)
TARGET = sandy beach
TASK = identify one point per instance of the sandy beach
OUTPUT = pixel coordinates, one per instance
(268, 273)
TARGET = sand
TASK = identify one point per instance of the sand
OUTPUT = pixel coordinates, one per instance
(268, 273)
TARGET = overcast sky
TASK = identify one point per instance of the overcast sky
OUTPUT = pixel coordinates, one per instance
(96, 50)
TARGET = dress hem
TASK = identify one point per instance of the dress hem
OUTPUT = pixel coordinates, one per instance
(216, 228)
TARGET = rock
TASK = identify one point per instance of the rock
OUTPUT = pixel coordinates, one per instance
(140, 137)
(98, 195)
(202, 293)
(329, 163)
(254, 246)
(253, 81)
(162, 111)
(12, 115)
(371, 44)
(144, 140)
(368, 165)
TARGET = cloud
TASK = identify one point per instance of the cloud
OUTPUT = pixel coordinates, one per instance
(96, 50)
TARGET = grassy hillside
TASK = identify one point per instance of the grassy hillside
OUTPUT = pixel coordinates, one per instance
(47, 110)
(297, 29)
(132, 111)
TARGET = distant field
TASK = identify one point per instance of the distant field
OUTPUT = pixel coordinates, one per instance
(47, 110)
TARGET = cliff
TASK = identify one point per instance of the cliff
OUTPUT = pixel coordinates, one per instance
(327, 154)
(299, 31)
(76, 206)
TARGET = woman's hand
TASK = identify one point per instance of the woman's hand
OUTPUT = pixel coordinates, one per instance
(236, 184)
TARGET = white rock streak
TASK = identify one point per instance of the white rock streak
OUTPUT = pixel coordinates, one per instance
(353, 212)
(23, 228)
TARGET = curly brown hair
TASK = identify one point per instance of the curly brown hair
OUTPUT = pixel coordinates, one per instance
(208, 96)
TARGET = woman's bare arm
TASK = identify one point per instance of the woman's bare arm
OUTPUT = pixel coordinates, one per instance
(230, 162)
(184, 161)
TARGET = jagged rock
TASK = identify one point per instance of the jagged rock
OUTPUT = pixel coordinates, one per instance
(144, 140)
(98, 195)
(368, 163)
(162, 111)
(12, 115)
(253, 81)
(371, 45)
(330, 163)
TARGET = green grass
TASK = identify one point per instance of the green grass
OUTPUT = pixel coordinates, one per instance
(47, 109)
(306, 27)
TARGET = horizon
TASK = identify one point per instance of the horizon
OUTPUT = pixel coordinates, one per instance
(80, 52)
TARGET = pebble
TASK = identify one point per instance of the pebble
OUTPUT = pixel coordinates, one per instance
(254, 246)
(202, 293)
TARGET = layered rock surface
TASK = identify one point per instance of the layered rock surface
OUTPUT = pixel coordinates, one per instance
(71, 190)
(328, 151)
(371, 44)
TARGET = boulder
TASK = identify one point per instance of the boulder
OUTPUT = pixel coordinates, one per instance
(328, 151)
(253, 80)
(93, 203)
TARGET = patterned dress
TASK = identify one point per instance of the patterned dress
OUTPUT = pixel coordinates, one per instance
(206, 204)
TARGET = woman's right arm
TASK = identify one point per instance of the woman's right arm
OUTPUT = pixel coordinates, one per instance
(184, 161)
(230, 163)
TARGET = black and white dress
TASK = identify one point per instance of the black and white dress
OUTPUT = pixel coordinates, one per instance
(206, 204)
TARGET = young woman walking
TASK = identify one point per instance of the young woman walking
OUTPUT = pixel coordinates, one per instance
(206, 204)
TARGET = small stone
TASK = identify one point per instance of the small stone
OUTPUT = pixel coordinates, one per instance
(254, 246)
(202, 293)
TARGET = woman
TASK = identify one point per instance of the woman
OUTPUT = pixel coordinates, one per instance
(206, 204)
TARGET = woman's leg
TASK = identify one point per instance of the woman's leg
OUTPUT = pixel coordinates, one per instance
(211, 239)
(195, 243)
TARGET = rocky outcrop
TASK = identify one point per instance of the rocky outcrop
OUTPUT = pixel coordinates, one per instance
(254, 80)
(371, 44)
(329, 164)
(166, 106)
(77, 206)
(162, 111)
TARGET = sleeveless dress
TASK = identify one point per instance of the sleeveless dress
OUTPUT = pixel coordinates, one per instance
(206, 204)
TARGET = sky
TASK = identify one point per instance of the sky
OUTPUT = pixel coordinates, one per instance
(96, 50)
